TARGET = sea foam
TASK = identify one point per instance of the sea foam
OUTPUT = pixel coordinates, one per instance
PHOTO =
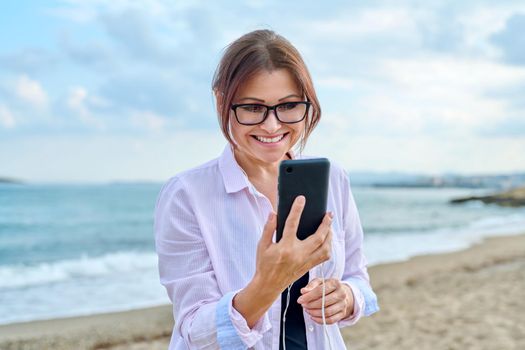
(16, 276)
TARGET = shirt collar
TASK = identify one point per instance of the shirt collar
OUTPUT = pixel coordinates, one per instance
(232, 174)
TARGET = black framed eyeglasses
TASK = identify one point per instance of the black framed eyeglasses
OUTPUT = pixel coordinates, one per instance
(256, 113)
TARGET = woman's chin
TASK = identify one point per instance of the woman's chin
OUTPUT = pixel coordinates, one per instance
(271, 155)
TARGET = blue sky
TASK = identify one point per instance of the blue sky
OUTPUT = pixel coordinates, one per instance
(98, 90)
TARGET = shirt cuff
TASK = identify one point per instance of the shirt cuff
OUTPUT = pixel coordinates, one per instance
(232, 330)
(359, 305)
(249, 336)
(370, 299)
(227, 335)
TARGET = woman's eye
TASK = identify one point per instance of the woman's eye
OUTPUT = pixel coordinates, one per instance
(252, 108)
(287, 106)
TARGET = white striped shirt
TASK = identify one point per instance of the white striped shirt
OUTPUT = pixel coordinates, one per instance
(208, 221)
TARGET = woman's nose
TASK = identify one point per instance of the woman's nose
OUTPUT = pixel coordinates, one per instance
(271, 124)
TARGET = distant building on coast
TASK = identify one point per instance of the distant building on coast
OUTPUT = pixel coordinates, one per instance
(498, 182)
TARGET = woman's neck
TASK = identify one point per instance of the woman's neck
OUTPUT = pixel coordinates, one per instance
(257, 170)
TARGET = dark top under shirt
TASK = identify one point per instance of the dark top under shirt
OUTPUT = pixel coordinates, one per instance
(295, 327)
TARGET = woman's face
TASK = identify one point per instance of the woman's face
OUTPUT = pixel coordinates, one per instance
(268, 88)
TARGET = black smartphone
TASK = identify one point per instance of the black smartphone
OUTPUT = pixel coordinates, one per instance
(307, 177)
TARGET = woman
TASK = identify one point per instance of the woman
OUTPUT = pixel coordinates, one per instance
(214, 224)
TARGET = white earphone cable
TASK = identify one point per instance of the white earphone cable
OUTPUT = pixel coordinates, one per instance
(323, 300)
(284, 315)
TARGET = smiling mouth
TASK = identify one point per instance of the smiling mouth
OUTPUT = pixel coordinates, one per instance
(270, 140)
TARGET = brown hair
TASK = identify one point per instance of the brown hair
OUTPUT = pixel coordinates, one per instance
(248, 55)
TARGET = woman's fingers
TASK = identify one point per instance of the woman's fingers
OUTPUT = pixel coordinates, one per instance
(329, 310)
(335, 303)
(311, 285)
(319, 253)
(330, 298)
(319, 237)
(328, 301)
(292, 221)
(330, 319)
(296, 256)
(311, 296)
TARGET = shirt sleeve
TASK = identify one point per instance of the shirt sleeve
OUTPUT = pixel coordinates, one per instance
(204, 317)
(249, 336)
(355, 273)
(359, 305)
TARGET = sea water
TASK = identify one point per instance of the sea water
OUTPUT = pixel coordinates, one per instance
(68, 250)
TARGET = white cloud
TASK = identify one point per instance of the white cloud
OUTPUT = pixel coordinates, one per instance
(148, 120)
(31, 91)
(77, 103)
(407, 96)
(449, 89)
(6, 118)
(469, 74)
(337, 82)
(479, 23)
(84, 11)
(76, 98)
(378, 21)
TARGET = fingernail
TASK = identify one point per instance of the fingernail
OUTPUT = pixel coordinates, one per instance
(300, 199)
(331, 214)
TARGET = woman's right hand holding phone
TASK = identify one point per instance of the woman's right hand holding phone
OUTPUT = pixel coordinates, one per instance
(279, 264)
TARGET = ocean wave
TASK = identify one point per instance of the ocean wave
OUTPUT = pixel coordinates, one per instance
(388, 247)
(502, 222)
(15, 276)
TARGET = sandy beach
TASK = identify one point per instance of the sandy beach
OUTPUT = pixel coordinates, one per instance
(472, 299)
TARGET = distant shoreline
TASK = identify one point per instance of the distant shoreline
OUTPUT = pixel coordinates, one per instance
(10, 180)
(421, 185)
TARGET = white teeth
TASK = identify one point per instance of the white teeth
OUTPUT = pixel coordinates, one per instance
(267, 140)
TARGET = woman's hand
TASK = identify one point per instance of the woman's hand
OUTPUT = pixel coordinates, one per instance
(339, 300)
(279, 264)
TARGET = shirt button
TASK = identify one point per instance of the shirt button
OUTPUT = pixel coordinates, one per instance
(311, 328)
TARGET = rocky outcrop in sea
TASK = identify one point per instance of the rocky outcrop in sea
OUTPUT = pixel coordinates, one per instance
(511, 198)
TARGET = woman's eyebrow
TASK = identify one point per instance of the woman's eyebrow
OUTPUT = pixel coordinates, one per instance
(292, 95)
(260, 100)
(251, 98)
